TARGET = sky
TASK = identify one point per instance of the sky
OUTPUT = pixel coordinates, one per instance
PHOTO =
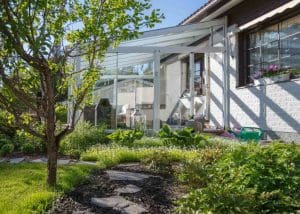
(176, 10)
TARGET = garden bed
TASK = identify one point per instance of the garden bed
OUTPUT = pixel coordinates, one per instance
(157, 193)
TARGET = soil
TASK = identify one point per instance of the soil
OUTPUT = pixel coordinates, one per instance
(157, 195)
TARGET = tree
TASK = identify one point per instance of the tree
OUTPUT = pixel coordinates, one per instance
(39, 40)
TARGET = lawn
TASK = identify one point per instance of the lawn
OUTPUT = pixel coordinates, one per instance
(23, 188)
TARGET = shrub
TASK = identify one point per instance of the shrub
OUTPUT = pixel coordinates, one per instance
(160, 161)
(250, 179)
(147, 142)
(182, 138)
(126, 137)
(24, 140)
(197, 172)
(6, 149)
(28, 148)
(4, 141)
(83, 137)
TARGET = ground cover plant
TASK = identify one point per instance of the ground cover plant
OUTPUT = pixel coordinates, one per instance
(244, 179)
(23, 189)
(83, 137)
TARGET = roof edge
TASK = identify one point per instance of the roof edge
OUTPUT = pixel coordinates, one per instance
(198, 12)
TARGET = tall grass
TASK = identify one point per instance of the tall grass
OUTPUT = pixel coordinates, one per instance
(23, 186)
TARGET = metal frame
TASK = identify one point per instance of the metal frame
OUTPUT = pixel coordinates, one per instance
(157, 44)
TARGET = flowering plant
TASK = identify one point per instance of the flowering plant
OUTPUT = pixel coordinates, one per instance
(272, 70)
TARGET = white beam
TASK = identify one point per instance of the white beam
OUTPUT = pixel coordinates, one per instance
(192, 85)
(226, 76)
(183, 28)
(171, 49)
(108, 77)
(156, 103)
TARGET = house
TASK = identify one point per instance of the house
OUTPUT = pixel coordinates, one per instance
(202, 68)
(260, 34)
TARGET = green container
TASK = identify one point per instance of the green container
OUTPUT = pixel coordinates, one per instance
(250, 133)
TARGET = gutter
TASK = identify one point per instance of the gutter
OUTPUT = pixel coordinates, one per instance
(215, 14)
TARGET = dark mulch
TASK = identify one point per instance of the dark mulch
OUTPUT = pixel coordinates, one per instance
(157, 195)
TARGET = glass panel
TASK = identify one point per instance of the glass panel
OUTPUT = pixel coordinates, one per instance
(135, 103)
(269, 34)
(290, 51)
(254, 56)
(142, 69)
(104, 100)
(254, 40)
(270, 52)
(290, 26)
(254, 69)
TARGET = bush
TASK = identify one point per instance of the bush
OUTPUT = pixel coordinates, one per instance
(148, 142)
(250, 179)
(28, 148)
(83, 137)
(182, 138)
(126, 137)
(28, 143)
(6, 149)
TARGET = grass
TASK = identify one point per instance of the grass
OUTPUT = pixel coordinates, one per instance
(23, 186)
(107, 156)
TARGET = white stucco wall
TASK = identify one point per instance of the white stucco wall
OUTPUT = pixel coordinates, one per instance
(275, 107)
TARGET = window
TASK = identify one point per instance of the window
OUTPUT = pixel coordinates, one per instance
(278, 44)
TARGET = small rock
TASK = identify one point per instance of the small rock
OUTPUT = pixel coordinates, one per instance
(129, 189)
(16, 160)
(126, 176)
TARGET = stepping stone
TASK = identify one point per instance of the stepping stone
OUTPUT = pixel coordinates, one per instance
(3, 160)
(128, 165)
(63, 162)
(86, 163)
(129, 189)
(126, 176)
(119, 203)
(39, 160)
(16, 160)
(134, 209)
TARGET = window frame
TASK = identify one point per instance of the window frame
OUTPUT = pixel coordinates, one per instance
(243, 74)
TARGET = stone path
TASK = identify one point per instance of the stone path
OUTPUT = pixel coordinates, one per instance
(43, 160)
(117, 202)
(123, 189)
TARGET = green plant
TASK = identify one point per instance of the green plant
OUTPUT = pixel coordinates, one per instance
(28, 143)
(6, 149)
(249, 179)
(183, 138)
(83, 137)
(160, 161)
(197, 172)
(28, 148)
(148, 142)
(126, 137)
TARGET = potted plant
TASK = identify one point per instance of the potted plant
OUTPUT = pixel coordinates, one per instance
(271, 75)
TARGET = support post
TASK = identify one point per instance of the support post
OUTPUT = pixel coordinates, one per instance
(116, 91)
(226, 76)
(208, 71)
(156, 101)
(192, 85)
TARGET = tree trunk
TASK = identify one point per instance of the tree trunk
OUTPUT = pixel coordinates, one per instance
(52, 152)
